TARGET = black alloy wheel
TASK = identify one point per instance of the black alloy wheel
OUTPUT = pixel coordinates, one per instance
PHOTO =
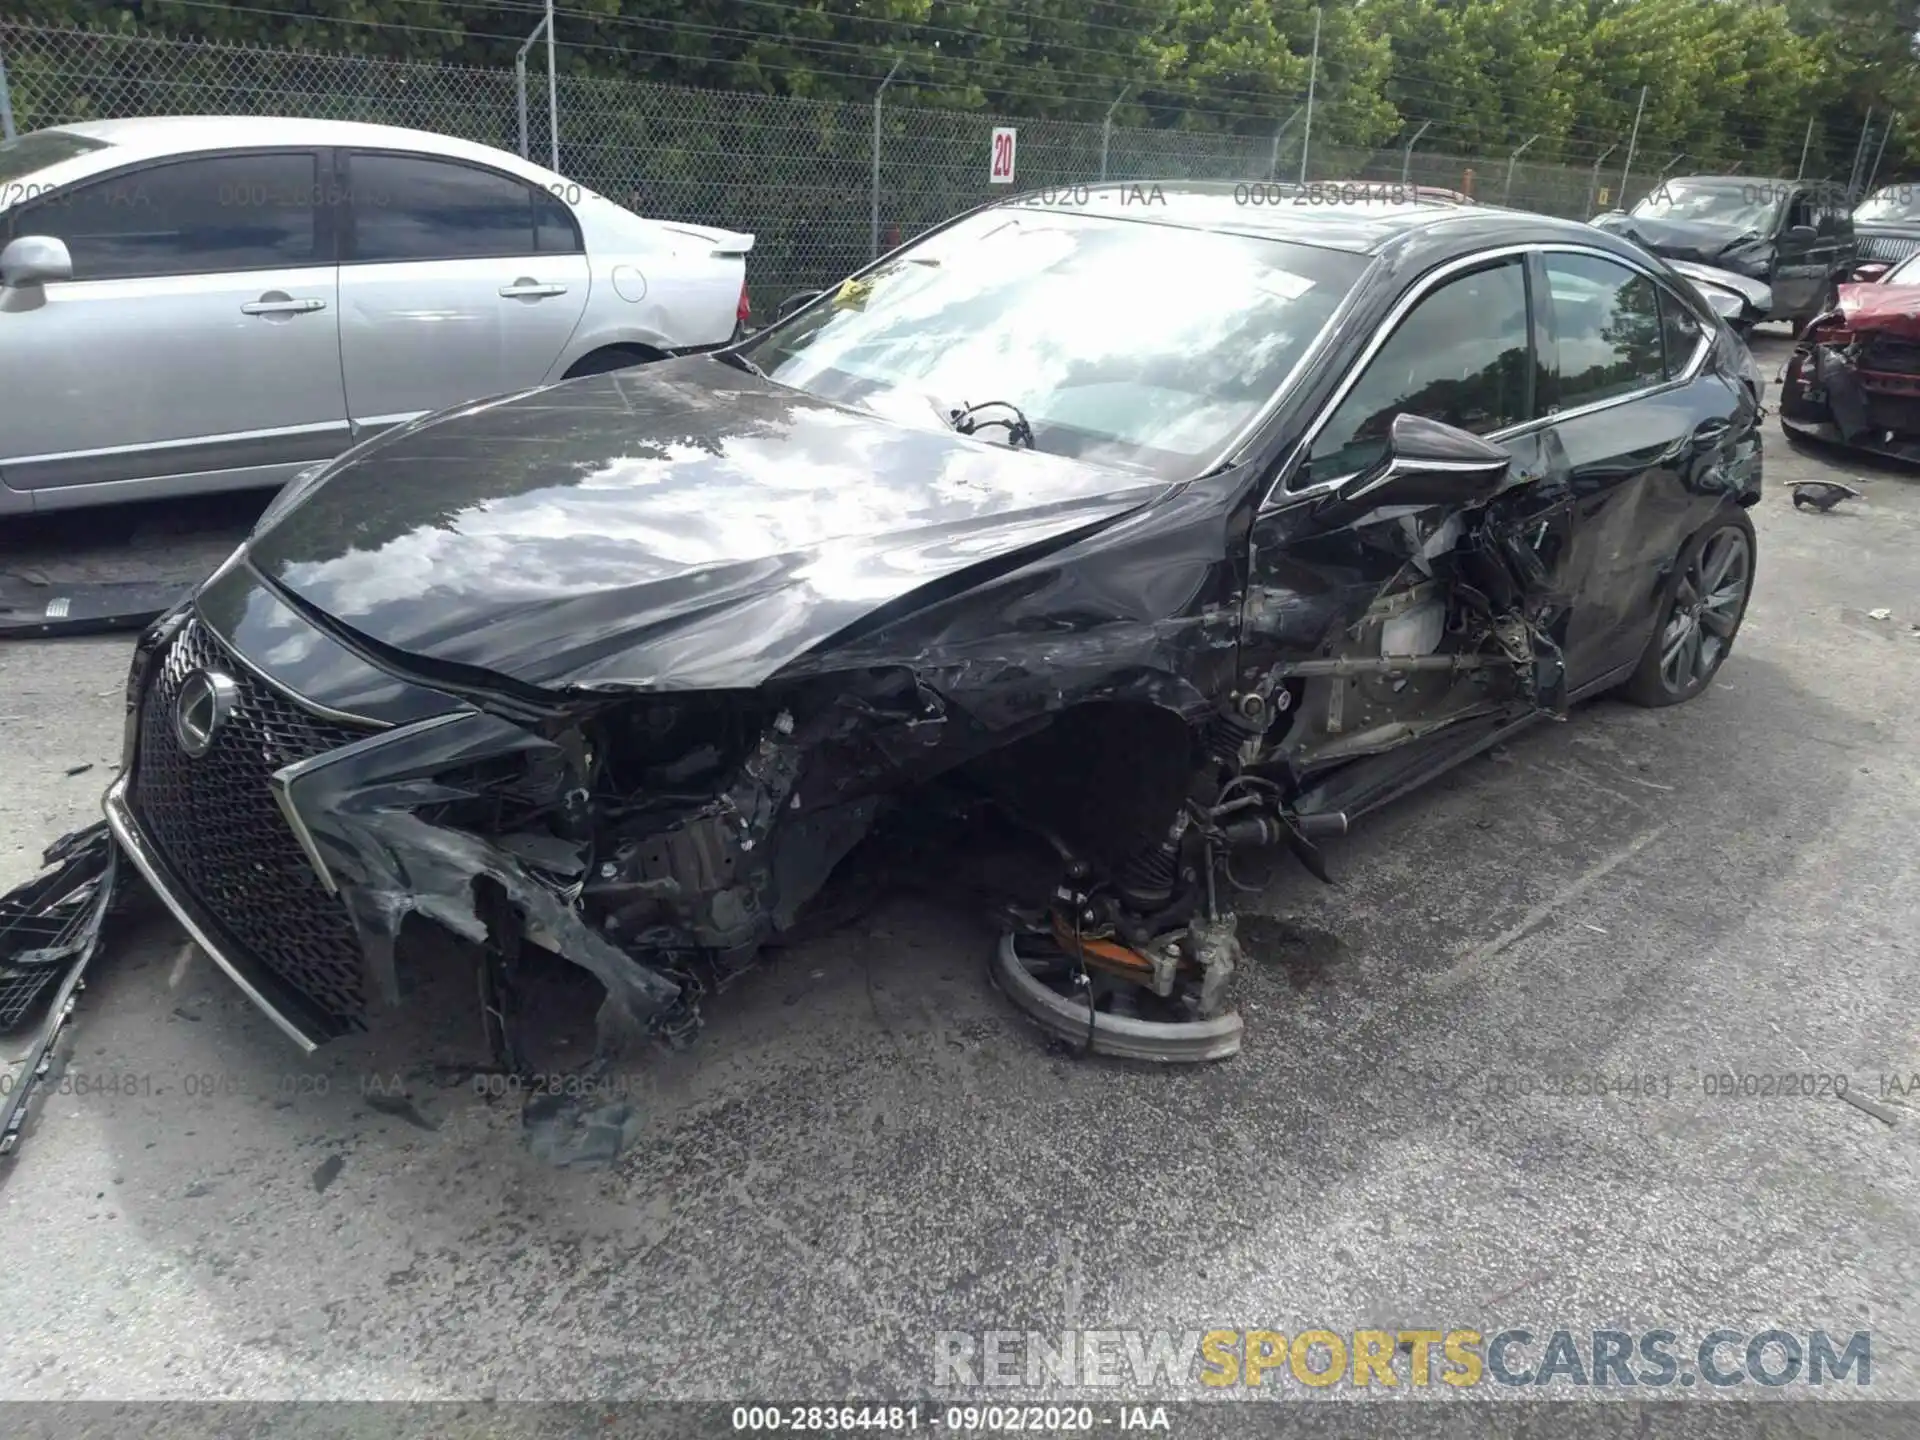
(1700, 617)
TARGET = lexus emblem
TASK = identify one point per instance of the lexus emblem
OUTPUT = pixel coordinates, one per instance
(205, 701)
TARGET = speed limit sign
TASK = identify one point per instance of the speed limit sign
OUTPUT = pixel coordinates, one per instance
(1000, 170)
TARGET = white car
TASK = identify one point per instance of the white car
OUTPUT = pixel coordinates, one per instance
(191, 304)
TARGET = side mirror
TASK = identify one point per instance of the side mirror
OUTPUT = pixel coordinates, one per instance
(1803, 234)
(1428, 463)
(34, 260)
(795, 302)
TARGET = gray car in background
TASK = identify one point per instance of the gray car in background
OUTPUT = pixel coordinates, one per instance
(1794, 236)
(193, 304)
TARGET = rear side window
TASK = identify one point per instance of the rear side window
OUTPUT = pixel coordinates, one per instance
(187, 217)
(413, 207)
(37, 150)
(1607, 332)
(555, 231)
(1460, 356)
(1682, 332)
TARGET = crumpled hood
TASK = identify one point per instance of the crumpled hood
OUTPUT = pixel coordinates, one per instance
(1757, 294)
(684, 525)
(1701, 241)
(1888, 309)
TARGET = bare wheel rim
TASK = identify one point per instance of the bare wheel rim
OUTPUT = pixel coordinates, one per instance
(1707, 606)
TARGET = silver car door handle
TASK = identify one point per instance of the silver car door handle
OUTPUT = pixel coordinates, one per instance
(282, 307)
(530, 289)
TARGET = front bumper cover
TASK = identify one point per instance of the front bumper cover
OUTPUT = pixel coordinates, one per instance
(350, 811)
(1832, 406)
(1893, 445)
(357, 812)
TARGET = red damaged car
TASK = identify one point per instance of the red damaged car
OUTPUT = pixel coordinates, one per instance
(1854, 378)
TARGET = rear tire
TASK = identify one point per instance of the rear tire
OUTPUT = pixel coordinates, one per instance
(1700, 614)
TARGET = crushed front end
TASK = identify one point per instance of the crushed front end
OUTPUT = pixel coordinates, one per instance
(293, 803)
(1854, 376)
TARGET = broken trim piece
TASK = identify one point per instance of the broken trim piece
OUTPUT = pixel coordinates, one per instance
(30, 611)
(38, 1061)
(354, 810)
(282, 783)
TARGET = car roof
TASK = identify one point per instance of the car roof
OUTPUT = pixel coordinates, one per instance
(1305, 215)
(156, 135)
(1774, 182)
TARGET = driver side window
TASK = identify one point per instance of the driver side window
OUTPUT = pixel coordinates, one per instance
(1460, 356)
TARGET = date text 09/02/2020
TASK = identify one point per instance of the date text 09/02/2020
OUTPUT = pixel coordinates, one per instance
(1664, 1085)
(960, 1419)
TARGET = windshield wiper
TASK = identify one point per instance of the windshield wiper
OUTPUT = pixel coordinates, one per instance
(739, 362)
(967, 419)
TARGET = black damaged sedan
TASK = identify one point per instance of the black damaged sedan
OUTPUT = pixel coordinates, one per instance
(1152, 530)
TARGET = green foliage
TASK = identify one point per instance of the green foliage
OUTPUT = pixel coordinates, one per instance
(1729, 83)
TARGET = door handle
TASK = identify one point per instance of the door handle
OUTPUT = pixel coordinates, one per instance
(529, 289)
(282, 306)
(1704, 436)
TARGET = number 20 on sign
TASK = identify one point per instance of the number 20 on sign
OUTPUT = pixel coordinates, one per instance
(1001, 169)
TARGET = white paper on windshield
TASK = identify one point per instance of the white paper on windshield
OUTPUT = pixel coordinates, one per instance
(1014, 252)
(1283, 284)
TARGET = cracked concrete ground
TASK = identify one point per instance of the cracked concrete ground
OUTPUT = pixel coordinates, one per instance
(868, 1148)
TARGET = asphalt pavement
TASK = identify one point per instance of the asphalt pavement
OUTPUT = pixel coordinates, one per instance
(868, 1148)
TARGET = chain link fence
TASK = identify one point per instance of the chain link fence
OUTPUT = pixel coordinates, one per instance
(798, 174)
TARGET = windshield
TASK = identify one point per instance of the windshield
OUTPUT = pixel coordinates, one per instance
(21, 157)
(1120, 342)
(1907, 272)
(1895, 202)
(1743, 206)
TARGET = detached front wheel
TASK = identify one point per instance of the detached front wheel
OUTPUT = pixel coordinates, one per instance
(1699, 616)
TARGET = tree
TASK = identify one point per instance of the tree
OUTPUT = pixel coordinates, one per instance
(1731, 83)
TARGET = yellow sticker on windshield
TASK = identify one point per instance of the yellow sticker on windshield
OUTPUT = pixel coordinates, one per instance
(853, 295)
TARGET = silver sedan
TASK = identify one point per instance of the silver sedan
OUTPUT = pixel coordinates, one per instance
(191, 304)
